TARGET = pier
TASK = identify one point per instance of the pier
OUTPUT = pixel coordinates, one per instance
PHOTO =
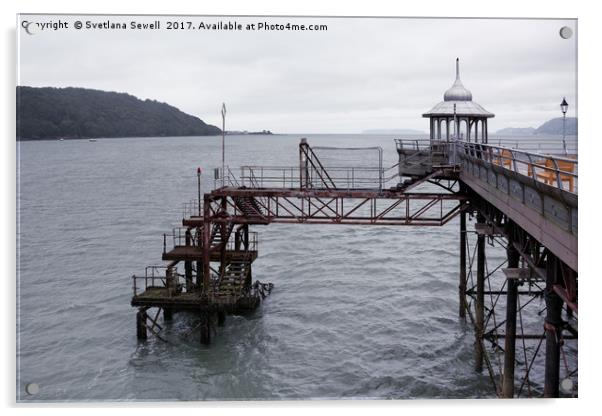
(523, 202)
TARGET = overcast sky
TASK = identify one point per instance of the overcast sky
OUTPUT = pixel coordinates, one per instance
(379, 73)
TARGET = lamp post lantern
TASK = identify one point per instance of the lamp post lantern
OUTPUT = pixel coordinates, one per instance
(223, 144)
(564, 106)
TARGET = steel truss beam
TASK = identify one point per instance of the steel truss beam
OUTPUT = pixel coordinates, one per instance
(332, 207)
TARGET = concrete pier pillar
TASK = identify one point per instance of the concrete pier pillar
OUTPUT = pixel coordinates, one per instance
(510, 340)
(480, 303)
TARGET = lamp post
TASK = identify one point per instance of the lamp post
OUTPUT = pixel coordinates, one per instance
(564, 106)
(223, 144)
(198, 174)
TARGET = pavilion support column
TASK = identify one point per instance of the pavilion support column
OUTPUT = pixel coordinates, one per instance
(432, 130)
(483, 130)
(447, 129)
(486, 132)
(469, 127)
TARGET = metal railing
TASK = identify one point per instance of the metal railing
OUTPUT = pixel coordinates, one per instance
(155, 277)
(230, 178)
(413, 144)
(238, 243)
(552, 170)
(192, 209)
(537, 144)
(289, 177)
(179, 239)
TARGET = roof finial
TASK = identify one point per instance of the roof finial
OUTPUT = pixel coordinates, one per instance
(457, 68)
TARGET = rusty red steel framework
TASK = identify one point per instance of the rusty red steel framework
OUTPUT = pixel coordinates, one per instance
(330, 207)
(313, 193)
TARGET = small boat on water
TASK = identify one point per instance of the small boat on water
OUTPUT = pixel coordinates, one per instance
(92, 140)
(61, 140)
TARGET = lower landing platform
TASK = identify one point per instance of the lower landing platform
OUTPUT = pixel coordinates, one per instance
(160, 297)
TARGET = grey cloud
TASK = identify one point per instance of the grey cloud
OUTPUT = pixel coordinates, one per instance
(360, 74)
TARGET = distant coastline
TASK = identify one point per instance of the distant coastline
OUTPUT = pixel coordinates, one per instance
(394, 131)
(244, 132)
(550, 127)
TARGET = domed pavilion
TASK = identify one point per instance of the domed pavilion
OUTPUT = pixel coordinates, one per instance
(457, 116)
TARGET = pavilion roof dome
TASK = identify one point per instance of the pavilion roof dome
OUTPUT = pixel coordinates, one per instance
(461, 97)
(457, 92)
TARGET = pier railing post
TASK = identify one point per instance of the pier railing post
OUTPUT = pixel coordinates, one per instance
(553, 327)
(510, 340)
(480, 303)
(462, 286)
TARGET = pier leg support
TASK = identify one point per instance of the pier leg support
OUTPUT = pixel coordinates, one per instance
(188, 264)
(141, 324)
(205, 328)
(480, 303)
(462, 286)
(510, 340)
(167, 314)
(553, 327)
(206, 242)
(221, 318)
(199, 275)
(188, 275)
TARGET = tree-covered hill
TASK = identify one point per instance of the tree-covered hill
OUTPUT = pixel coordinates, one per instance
(50, 113)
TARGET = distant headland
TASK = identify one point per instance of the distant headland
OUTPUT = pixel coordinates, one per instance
(553, 126)
(76, 113)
